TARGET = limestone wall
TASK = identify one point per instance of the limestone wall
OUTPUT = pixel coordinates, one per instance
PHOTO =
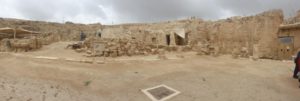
(228, 34)
(258, 31)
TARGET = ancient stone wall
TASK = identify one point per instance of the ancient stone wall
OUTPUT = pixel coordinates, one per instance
(67, 32)
(258, 32)
(243, 32)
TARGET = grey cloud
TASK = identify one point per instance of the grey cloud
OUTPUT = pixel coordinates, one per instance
(242, 6)
(127, 11)
(158, 10)
(48, 9)
(249, 7)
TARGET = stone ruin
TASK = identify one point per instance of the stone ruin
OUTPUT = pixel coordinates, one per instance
(251, 36)
(117, 47)
(254, 36)
(21, 40)
(48, 33)
(240, 35)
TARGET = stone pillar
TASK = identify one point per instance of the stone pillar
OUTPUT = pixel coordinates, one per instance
(172, 39)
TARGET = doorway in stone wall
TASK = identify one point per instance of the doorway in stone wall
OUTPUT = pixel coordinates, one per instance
(168, 39)
(286, 47)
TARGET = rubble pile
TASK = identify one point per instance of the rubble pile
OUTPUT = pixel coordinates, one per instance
(240, 53)
(122, 47)
(207, 48)
(115, 47)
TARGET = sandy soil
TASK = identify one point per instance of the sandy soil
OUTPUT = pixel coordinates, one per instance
(198, 78)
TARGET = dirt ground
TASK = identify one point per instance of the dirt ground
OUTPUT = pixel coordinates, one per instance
(198, 78)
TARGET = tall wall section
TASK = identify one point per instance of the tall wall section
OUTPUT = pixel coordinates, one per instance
(257, 33)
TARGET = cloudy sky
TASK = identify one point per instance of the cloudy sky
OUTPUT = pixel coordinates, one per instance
(134, 11)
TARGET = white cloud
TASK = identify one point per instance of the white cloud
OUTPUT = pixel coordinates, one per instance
(7, 10)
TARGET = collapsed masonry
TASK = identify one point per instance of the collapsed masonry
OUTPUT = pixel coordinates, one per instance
(109, 47)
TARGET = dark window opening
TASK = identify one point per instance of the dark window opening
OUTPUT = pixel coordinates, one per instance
(286, 40)
(154, 40)
(99, 34)
(179, 40)
(168, 39)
